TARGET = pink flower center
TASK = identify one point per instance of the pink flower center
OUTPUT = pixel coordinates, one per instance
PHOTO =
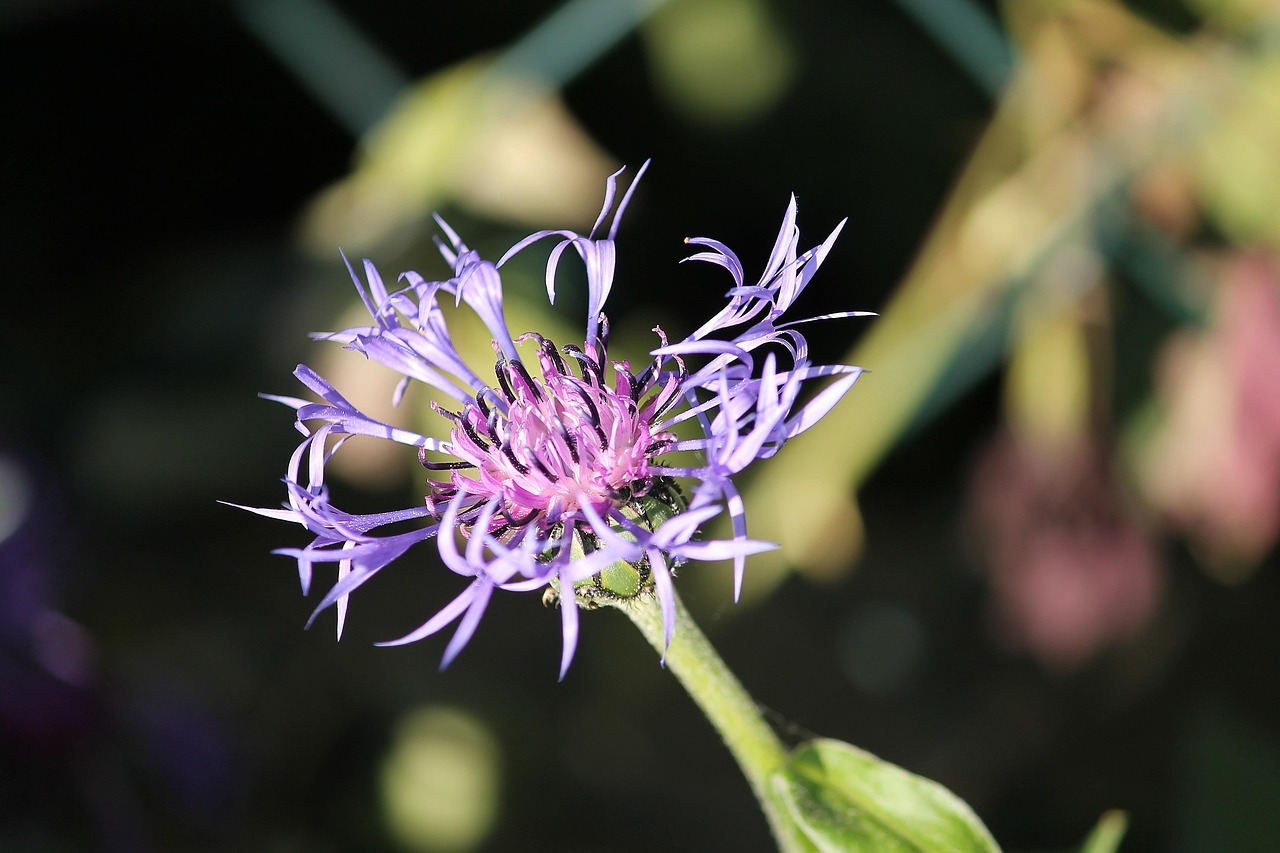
(563, 441)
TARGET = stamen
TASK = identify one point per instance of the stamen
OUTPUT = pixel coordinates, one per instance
(589, 365)
(550, 351)
(602, 333)
(503, 381)
(514, 522)
(511, 454)
(492, 394)
(571, 443)
(490, 416)
(642, 381)
(531, 336)
(483, 428)
(440, 410)
(622, 376)
(538, 463)
(668, 396)
(595, 416)
(518, 367)
(437, 494)
(658, 445)
(445, 466)
(473, 435)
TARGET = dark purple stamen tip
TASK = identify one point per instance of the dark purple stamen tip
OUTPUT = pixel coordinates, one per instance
(550, 351)
(591, 371)
(512, 521)
(528, 380)
(595, 417)
(541, 466)
(441, 410)
(642, 382)
(503, 381)
(511, 454)
(473, 435)
(602, 332)
(571, 443)
(445, 466)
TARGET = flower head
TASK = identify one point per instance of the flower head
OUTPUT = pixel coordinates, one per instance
(560, 473)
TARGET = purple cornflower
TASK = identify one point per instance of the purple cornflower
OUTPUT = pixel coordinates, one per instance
(560, 476)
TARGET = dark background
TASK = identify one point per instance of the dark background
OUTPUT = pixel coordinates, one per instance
(155, 159)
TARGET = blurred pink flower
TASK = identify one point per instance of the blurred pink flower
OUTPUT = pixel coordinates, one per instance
(1213, 465)
(1070, 569)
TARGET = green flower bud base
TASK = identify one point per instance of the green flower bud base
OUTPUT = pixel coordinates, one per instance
(622, 580)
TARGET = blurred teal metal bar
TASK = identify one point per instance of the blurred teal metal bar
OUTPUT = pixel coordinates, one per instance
(572, 37)
(346, 72)
(969, 37)
(328, 54)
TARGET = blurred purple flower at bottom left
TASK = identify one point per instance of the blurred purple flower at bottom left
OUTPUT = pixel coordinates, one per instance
(45, 657)
(68, 743)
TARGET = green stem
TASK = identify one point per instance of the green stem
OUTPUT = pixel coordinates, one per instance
(721, 697)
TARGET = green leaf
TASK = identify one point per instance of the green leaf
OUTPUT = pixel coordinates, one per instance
(844, 799)
(1106, 836)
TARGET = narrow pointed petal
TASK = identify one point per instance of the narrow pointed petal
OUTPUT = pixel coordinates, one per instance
(467, 627)
(480, 286)
(626, 200)
(451, 611)
(666, 597)
(817, 408)
(344, 569)
(568, 627)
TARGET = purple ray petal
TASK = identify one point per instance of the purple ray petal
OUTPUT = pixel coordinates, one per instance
(451, 611)
(467, 627)
(568, 626)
